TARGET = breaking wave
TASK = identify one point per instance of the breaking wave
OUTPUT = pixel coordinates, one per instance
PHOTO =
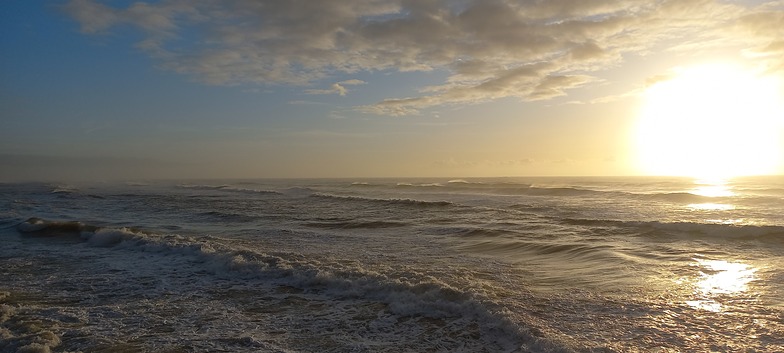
(404, 295)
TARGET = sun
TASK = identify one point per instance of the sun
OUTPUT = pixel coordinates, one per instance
(711, 121)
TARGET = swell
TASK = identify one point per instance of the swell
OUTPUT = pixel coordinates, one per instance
(688, 229)
(226, 217)
(355, 224)
(462, 186)
(403, 202)
(678, 197)
(472, 232)
(502, 188)
(227, 188)
(562, 251)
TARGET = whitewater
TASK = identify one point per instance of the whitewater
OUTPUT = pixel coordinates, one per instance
(394, 265)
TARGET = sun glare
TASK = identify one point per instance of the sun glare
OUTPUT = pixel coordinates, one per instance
(712, 121)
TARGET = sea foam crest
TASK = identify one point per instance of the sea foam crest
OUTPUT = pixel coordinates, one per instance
(407, 294)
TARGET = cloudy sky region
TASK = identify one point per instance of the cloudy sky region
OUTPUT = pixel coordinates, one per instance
(350, 88)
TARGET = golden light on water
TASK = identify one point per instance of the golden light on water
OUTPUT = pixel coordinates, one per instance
(712, 121)
(719, 278)
(711, 206)
(713, 188)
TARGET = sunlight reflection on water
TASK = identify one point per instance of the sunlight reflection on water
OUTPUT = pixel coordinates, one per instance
(711, 207)
(720, 278)
(712, 188)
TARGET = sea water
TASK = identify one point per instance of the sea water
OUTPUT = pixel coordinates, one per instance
(394, 265)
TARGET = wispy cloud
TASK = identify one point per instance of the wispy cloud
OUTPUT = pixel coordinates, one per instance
(492, 49)
(305, 102)
(337, 88)
(768, 26)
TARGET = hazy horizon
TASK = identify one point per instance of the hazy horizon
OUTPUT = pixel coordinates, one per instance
(257, 89)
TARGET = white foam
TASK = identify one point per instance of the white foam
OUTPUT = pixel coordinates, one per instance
(108, 237)
(22, 332)
(412, 295)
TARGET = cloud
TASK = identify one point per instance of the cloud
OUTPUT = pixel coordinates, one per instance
(490, 49)
(337, 88)
(305, 102)
(93, 17)
(767, 28)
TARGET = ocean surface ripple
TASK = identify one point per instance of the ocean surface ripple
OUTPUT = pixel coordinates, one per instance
(394, 265)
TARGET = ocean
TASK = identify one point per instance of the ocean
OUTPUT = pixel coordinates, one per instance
(394, 265)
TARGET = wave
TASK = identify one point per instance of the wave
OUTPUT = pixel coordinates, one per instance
(227, 216)
(40, 227)
(356, 224)
(297, 191)
(563, 251)
(502, 188)
(69, 191)
(227, 188)
(679, 197)
(405, 202)
(471, 232)
(250, 191)
(460, 185)
(463, 181)
(365, 184)
(560, 191)
(423, 185)
(202, 187)
(405, 295)
(463, 186)
(520, 189)
(522, 207)
(63, 189)
(689, 229)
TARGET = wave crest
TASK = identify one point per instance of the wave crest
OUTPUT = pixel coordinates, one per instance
(714, 230)
(354, 224)
(227, 188)
(41, 227)
(406, 202)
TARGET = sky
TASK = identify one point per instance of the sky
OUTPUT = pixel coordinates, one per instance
(351, 88)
